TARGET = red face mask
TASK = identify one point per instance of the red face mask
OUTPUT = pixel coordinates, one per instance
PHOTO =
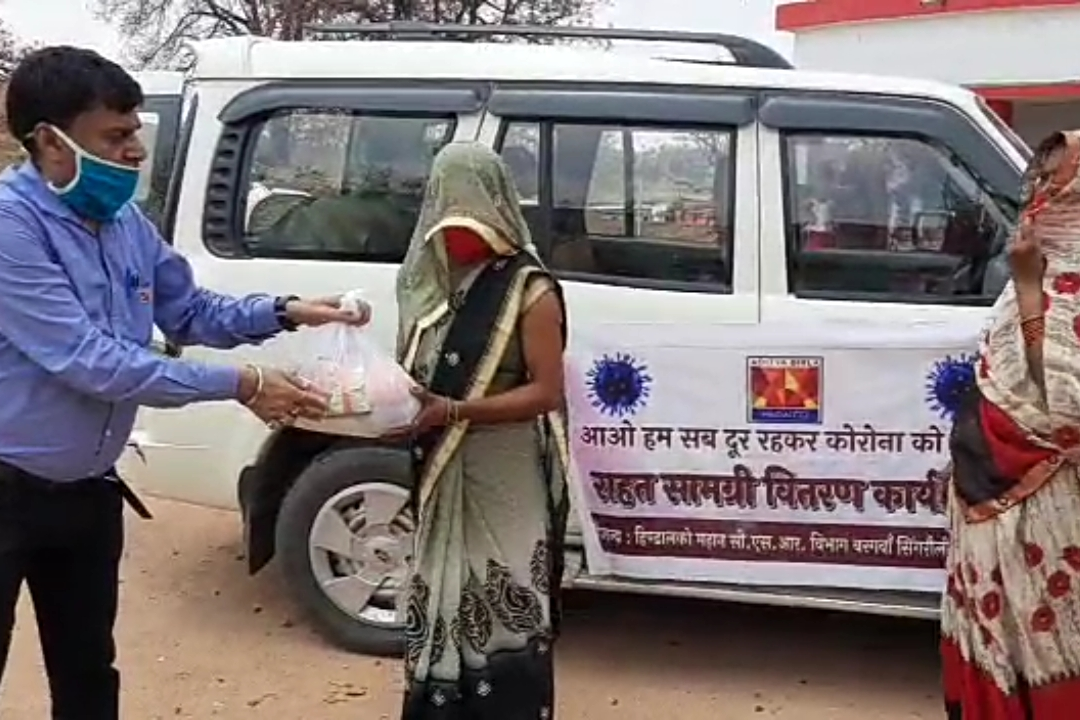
(464, 247)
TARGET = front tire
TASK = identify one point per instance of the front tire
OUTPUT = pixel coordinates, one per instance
(344, 540)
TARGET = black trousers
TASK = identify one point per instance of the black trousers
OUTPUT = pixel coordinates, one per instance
(65, 542)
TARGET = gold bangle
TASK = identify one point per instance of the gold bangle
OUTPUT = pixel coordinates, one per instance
(260, 381)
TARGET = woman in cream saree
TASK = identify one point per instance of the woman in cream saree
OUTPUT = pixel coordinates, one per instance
(482, 330)
(1011, 612)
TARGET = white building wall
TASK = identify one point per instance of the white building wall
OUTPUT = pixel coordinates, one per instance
(1006, 47)
(1034, 121)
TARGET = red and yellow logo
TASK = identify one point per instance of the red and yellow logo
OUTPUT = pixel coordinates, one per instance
(784, 390)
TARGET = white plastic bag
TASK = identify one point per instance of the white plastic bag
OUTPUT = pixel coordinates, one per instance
(369, 393)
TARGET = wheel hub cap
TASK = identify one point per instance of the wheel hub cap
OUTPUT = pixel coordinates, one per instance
(360, 545)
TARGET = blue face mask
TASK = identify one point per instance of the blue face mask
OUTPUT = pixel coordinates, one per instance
(100, 188)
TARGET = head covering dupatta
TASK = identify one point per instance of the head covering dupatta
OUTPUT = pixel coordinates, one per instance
(470, 187)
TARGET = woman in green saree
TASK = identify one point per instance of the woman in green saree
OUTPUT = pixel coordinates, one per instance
(482, 330)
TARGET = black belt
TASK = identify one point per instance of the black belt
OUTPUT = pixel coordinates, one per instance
(133, 500)
(10, 472)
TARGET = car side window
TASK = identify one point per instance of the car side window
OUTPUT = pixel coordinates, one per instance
(521, 153)
(149, 194)
(630, 203)
(889, 219)
(337, 185)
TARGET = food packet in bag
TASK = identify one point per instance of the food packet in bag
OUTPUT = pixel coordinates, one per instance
(368, 392)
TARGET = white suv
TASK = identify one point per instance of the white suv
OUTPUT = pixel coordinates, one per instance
(345, 130)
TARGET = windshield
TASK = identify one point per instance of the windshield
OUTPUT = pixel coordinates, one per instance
(1015, 140)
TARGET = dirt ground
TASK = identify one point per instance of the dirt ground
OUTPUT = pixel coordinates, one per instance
(200, 639)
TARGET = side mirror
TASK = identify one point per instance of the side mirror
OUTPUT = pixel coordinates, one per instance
(930, 229)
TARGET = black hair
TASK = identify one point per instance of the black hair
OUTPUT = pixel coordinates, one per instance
(55, 85)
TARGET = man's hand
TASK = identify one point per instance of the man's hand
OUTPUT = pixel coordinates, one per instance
(282, 399)
(321, 311)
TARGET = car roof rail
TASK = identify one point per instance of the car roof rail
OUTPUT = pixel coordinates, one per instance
(745, 51)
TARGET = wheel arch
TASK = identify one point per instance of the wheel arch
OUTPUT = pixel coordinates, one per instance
(263, 484)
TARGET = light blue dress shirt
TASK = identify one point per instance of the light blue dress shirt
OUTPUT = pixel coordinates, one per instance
(77, 310)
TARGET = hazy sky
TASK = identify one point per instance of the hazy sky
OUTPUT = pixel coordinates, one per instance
(72, 22)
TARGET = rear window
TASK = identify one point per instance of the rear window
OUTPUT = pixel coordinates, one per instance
(332, 184)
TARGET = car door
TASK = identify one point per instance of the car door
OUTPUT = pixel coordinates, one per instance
(641, 200)
(633, 241)
(295, 187)
(885, 211)
(884, 250)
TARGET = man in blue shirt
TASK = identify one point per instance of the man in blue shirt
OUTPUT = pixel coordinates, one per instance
(84, 277)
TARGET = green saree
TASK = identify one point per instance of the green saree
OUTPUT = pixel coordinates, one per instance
(482, 602)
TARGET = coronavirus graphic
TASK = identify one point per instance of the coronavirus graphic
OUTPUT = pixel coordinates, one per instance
(618, 385)
(947, 381)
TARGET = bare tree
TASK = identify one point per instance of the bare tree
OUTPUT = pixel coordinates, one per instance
(11, 51)
(157, 29)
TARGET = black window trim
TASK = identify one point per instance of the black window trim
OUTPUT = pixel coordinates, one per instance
(865, 114)
(245, 115)
(400, 97)
(627, 120)
(862, 115)
(648, 105)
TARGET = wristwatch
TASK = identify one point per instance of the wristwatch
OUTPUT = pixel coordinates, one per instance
(279, 312)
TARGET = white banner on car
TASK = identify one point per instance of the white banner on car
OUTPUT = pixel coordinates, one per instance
(804, 461)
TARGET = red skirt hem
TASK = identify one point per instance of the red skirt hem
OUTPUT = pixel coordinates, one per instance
(970, 694)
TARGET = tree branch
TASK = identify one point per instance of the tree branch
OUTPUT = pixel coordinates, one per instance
(170, 43)
(154, 29)
(238, 24)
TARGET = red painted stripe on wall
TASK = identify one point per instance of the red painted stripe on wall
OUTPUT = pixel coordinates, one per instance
(1051, 91)
(811, 14)
(1004, 109)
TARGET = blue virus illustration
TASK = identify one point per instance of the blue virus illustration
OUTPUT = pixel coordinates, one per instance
(947, 381)
(618, 385)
